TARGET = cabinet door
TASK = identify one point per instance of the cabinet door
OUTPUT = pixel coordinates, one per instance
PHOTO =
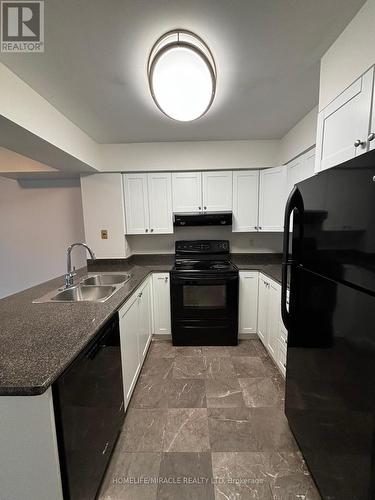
(129, 336)
(274, 307)
(145, 319)
(161, 303)
(248, 306)
(245, 200)
(300, 169)
(160, 202)
(272, 198)
(217, 191)
(263, 308)
(343, 122)
(136, 203)
(187, 191)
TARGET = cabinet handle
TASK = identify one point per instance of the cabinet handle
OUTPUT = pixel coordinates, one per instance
(260, 227)
(146, 230)
(358, 143)
(205, 208)
(199, 208)
(166, 279)
(371, 137)
(256, 228)
(140, 295)
(105, 448)
(284, 365)
(152, 230)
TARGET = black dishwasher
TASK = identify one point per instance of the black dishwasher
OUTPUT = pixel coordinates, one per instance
(89, 412)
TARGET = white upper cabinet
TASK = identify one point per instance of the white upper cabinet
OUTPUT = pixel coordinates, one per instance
(245, 200)
(217, 191)
(148, 203)
(300, 169)
(272, 197)
(187, 191)
(371, 135)
(136, 203)
(160, 202)
(343, 126)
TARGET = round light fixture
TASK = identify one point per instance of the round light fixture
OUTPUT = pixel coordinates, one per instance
(182, 75)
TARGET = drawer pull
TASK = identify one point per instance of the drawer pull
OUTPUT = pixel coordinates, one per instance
(105, 448)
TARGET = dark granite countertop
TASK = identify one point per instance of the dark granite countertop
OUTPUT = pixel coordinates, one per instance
(39, 341)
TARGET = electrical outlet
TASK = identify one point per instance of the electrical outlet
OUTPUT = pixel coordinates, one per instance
(104, 234)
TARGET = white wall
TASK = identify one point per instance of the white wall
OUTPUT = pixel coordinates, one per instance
(37, 224)
(300, 138)
(239, 242)
(202, 155)
(35, 114)
(349, 56)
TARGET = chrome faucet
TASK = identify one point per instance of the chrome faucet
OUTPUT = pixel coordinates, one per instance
(69, 277)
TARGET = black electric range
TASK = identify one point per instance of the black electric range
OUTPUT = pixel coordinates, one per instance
(204, 294)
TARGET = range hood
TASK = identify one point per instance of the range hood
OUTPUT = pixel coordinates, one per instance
(203, 219)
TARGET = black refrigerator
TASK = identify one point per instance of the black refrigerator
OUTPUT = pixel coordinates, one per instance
(329, 263)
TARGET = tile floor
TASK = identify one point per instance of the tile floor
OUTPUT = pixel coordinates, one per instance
(207, 423)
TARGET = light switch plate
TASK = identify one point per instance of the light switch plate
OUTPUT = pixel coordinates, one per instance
(104, 234)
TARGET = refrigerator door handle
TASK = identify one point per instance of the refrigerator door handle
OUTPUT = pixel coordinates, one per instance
(294, 202)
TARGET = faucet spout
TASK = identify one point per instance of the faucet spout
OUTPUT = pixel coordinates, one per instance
(69, 277)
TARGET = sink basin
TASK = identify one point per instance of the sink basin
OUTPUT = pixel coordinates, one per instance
(106, 279)
(82, 293)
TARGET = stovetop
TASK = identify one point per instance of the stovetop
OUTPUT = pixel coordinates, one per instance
(212, 256)
(204, 265)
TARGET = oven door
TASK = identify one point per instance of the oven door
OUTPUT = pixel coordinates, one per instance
(204, 309)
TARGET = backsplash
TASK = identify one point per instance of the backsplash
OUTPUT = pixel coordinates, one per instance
(239, 242)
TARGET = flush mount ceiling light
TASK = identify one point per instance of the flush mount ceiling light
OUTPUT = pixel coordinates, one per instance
(182, 75)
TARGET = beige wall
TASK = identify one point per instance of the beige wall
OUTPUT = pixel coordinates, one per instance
(349, 56)
(300, 138)
(239, 242)
(37, 223)
(202, 155)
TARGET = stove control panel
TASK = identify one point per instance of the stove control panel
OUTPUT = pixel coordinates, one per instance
(202, 247)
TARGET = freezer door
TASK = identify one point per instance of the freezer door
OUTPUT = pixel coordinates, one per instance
(338, 222)
(330, 383)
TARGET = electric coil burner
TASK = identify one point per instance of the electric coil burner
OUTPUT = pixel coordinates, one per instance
(204, 294)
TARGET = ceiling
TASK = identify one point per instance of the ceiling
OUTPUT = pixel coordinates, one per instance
(267, 53)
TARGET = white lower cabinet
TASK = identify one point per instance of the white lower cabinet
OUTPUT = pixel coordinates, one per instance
(145, 319)
(282, 347)
(263, 299)
(135, 336)
(274, 301)
(161, 303)
(248, 302)
(271, 330)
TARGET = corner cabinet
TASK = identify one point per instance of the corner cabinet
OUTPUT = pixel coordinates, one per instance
(248, 303)
(344, 125)
(245, 200)
(272, 198)
(148, 203)
(161, 303)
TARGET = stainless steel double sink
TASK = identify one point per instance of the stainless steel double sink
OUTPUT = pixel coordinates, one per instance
(97, 287)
